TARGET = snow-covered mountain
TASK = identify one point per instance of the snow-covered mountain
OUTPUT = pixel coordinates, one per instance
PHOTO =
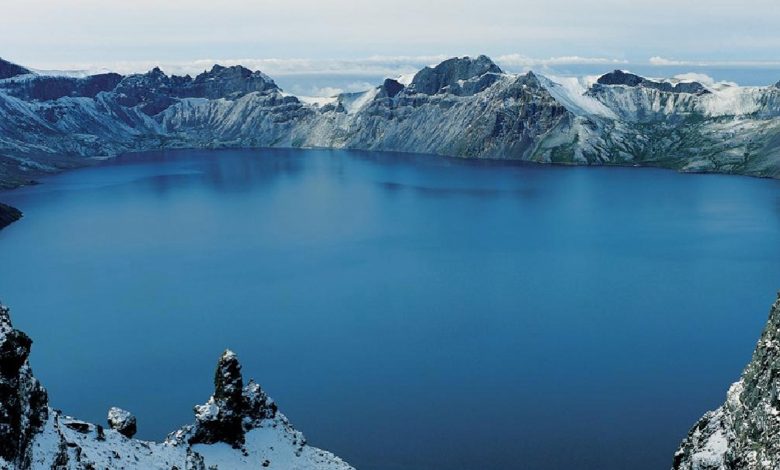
(463, 107)
(239, 427)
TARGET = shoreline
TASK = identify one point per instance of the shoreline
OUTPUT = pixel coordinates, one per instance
(8, 215)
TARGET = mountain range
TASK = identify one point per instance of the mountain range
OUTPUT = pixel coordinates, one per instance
(463, 107)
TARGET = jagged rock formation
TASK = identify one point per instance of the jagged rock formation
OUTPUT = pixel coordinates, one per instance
(239, 427)
(457, 76)
(8, 215)
(744, 433)
(23, 401)
(619, 77)
(463, 107)
(232, 410)
(122, 421)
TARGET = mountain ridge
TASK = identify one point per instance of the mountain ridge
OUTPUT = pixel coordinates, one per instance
(463, 107)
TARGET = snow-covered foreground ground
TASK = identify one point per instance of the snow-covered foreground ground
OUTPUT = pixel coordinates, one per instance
(239, 427)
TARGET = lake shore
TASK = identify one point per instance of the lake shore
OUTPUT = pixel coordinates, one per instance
(8, 215)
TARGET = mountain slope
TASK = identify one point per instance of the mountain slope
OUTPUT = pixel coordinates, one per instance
(744, 433)
(463, 107)
(238, 428)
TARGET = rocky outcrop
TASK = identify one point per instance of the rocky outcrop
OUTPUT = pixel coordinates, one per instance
(8, 215)
(619, 77)
(23, 401)
(35, 436)
(8, 69)
(48, 88)
(744, 433)
(233, 409)
(122, 421)
(459, 76)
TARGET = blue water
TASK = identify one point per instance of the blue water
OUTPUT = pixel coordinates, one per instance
(406, 312)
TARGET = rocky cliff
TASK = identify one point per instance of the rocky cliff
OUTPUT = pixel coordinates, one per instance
(463, 107)
(744, 433)
(8, 215)
(239, 427)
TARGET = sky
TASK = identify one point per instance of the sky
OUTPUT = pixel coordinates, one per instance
(384, 37)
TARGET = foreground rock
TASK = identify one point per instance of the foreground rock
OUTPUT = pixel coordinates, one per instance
(744, 433)
(122, 421)
(238, 428)
(8, 215)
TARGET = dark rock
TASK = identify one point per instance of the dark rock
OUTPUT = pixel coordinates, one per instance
(226, 82)
(744, 433)
(8, 69)
(390, 88)
(122, 421)
(233, 409)
(8, 215)
(453, 74)
(46, 88)
(23, 401)
(78, 426)
(619, 77)
(154, 91)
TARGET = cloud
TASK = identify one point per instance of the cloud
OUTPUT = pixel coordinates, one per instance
(664, 62)
(518, 60)
(660, 61)
(372, 66)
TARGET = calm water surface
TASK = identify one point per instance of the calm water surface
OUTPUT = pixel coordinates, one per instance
(406, 312)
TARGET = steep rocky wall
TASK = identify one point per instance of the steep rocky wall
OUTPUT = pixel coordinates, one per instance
(744, 433)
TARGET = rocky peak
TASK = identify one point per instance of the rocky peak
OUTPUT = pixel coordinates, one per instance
(390, 88)
(619, 77)
(9, 69)
(231, 411)
(228, 82)
(23, 401)
(744, 433)
(459, 75)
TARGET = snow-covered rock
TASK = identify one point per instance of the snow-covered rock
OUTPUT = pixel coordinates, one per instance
(122, 421)
(744, 433)
(239, 427)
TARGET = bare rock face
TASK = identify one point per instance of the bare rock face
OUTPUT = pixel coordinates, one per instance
(8, 69)
(233, 409)
(23, 401)
(619, 77)
(744, 433)
(459, 75)
(122, 421)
